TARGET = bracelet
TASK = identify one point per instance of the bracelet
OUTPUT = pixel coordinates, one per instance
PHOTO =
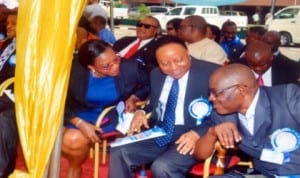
(141, 111)
(78, 122)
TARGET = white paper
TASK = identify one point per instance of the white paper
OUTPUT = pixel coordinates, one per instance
(124, 123)
(272, 156)
(148, 134)
(10, 95)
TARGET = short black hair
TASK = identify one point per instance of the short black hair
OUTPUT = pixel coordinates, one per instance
(175, 23)
(216, 31)
(168, 39)
(90, 50)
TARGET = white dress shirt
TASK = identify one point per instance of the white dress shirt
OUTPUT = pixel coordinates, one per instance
(143, 43)
(247, 120)
(267, 77)
(179, 117)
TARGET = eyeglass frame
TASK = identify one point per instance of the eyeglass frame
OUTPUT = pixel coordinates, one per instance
(146, 26)
(219, 92)
(108, 66)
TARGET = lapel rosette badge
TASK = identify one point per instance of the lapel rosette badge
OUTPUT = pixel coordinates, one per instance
(199, 109)
(285, 141)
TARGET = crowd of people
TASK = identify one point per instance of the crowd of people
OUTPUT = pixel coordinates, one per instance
(249, 92)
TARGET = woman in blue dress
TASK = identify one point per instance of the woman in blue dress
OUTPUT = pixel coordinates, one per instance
(99, 78)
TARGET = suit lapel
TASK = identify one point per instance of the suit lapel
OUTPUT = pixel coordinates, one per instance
(263, 115)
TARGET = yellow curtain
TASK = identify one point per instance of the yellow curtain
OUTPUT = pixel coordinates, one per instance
(45, 44)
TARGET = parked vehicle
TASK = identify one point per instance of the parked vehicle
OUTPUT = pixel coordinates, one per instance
(154, 10)
(287, 22)
(210, 13)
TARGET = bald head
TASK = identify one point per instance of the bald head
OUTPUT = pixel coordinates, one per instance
(198, 22)
(272, 38)
(259, 56)
(233, 88)
(234, 74)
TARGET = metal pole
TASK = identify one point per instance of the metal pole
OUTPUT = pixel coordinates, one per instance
(54, 167)
(112, 26)
(273, 6)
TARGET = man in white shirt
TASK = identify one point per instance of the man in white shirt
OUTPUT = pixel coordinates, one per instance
(193, 31)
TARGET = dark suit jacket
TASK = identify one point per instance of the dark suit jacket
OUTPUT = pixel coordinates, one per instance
(277, 107)
(132, 79)
(146, 53)
(8, 70)
(284, 70)
(197, 86)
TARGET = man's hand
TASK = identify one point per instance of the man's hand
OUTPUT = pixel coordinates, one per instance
(139, 120)
(186, 142)
(227, 134)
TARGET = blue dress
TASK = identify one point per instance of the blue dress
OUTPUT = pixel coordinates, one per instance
(101, 92)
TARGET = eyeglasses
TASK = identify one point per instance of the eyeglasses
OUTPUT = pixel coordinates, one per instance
(108, 66)
(146, 26)
(170, 28)
(219, 92)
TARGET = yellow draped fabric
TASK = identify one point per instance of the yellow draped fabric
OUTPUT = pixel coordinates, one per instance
(45, 44)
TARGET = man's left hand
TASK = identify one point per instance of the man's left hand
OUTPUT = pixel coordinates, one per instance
(186, 142)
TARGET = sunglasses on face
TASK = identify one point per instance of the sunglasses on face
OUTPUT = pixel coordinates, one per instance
(146, 26)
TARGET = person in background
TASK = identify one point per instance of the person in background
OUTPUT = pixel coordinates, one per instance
(141, 47)
(94, 9)
(230, 42)
(8, 49)
(213, 32)
(6, 7)
(98, 25)
(253, 34)
(172, 26)
(193, 31)
(8, 125)
(266, 124)
(99, 78)
(269, 69)
(179, 80)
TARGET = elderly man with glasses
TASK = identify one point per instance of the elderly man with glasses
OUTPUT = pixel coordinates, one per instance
(266, 125)
(140, 47)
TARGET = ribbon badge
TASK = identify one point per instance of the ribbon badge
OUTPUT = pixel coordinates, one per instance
(285, 140)
(199, 109)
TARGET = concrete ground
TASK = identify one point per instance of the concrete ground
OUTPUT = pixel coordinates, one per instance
(123, 30)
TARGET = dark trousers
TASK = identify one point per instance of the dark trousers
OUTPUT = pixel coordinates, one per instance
(166, 161)
(8, 139)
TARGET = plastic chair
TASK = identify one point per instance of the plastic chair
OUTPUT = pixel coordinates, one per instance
(6, 84)
(207, 168)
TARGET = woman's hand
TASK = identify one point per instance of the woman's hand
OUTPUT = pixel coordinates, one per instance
(130, 103)
(87, 129)
(139, 120)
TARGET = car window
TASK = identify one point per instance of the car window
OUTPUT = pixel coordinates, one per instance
(189, 11)
(209, 11)
(175, 11)
(158, 9)
(287, 14)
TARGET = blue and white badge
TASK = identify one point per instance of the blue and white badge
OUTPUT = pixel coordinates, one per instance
(12, 60)
(285, 140)
(199, 109)
(120, 109)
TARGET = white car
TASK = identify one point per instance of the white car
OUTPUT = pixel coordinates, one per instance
(287, 22)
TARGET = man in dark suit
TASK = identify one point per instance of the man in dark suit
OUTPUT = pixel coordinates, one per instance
(285, 70)
(147, 31)
(174, 157)
(266, 125)
(272, 70)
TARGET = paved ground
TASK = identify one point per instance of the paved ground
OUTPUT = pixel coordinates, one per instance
(123, 30)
